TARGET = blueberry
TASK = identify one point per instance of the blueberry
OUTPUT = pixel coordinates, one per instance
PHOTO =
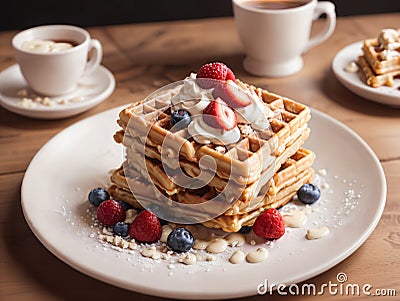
(125, 205)
(97, 196)
(180, 240)
(308, 193)
(121, 229)
(180, 119)
(245, 229)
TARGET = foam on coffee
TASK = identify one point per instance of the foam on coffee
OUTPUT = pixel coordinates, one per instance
(46, 46)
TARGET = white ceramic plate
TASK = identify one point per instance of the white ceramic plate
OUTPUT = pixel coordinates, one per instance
(355, 82)
(91, 91)
(54, 201)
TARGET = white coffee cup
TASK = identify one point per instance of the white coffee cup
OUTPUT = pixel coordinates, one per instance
(57, 73)
(275, 39)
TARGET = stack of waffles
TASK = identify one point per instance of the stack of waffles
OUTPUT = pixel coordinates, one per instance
(263, 169)
(380, 60)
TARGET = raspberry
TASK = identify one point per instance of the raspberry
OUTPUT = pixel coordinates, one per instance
(215, 71)
(110, 212)
(269, 224)
(145, 227)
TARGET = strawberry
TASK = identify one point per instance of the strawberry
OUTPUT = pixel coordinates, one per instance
(230, 75)
(232, 95)
(145, 227)
(209, 75)
(110, 212)
(218, 115)
(269, 224)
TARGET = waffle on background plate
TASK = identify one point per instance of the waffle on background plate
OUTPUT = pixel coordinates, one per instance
(380, 60)
(263, 169)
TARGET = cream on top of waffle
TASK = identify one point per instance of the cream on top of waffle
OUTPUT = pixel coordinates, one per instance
(256, 114)
(389, 42)
(388, 39)
(205, 134)
(191, 97)
(194, 99)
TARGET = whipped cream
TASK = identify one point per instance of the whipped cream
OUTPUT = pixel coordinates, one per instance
(389, 39)
(351, 67)
(205, 134)
(195, 99)
(191, 97)
(44, 46)
(256, 113)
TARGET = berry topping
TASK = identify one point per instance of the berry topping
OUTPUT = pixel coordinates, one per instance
(230, 75)
(245, 230)
(180, 119)
(308, 194)
(145, 227)
(180, 240)
(214, 71)
(121, 229)
(110, 212)
(232, 95)
(269, 224)
(97, 196)
(218, 115)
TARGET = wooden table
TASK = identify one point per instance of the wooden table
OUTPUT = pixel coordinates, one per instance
(144, 57)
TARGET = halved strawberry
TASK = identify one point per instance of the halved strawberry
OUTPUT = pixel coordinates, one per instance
(218, 115)
(232, 95)
(210, 74)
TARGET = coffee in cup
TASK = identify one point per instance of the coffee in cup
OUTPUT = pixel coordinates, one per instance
(54, 58)
(275, 33)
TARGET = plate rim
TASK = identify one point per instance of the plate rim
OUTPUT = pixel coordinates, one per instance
(92, 272)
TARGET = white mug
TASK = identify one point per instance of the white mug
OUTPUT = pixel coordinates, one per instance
(275, 39)
(56, 73)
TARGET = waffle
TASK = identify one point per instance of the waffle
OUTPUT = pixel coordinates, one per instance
(244, 161)
(160, 178)
(376, 80)
(377, 57)
(263, 169)
(281, 188)
(380, 60)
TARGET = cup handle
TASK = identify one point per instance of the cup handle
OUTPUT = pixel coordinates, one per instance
(95, 59)
(328, 8)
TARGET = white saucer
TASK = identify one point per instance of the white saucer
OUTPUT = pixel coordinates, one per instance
(355, 81)
(91, 91)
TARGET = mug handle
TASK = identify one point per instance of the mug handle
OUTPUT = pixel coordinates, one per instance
(95, 59)
(328, 8)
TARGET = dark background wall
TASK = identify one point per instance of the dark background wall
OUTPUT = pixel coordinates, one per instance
(20, 14)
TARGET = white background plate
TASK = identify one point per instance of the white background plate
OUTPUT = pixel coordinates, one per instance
(92, 90)
(54, 201)
(355, 82)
